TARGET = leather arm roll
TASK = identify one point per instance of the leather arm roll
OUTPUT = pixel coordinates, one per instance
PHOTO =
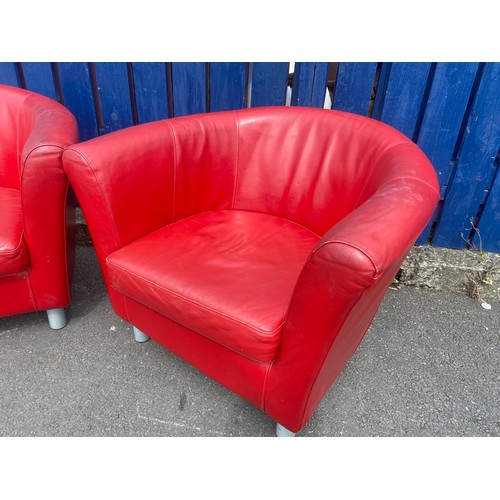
(42, 178)
(123, 183)
(385, 223)
(348, 274)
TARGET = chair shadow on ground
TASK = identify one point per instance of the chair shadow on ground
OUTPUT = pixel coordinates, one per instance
(88, 289)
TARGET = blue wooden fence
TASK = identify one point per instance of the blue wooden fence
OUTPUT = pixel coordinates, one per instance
(451, 110)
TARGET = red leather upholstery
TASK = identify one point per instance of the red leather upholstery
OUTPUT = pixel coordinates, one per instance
(36, 215)
(219, 272)
(256, 244)
(13, 251)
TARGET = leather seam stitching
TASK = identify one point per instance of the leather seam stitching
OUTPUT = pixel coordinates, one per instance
(11, 254)
(89, 164)
(17, 249)
(413, 178)
(174, 139)
(202, 306)
(65, 237)
(266, 383)
(237, 157)
(181, 323)
(376, 268)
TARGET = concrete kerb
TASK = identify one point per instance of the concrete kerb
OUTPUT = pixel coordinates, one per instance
(474, 273)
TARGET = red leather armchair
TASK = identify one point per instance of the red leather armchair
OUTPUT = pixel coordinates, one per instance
(257, 244)
(37, 216)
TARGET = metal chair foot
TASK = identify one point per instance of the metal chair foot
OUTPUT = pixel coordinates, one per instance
(140, 336)
(57, 318)
(283, 431)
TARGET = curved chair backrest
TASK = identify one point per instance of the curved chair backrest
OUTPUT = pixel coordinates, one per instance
(309, 165)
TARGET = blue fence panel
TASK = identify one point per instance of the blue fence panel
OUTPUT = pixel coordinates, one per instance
(189, 82)
(451, 110)
(443, 118)
(400, 94)
(446, 106)
(39, 78)
(114, 95)
(78, 98)
(353, 87)
(489, 225)
(227, 86)
(309, 84)
(8, 74)
(475, 166)
(150, 89)
(269, 83)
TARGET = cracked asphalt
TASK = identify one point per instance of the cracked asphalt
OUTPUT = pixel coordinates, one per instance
(428, 366)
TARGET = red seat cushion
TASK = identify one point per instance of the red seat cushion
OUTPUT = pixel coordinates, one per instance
(13, 250)
(228, 275)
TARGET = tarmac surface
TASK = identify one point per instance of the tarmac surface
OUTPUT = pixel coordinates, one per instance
(428, 366)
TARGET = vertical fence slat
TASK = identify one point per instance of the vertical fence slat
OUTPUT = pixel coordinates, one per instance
(150, 87)
(475, 164)
(114, 95)
(489, 226)
(39, 78)
(8, 74)
(77, 91)
(269, 81)
(227, 86)
(399, 98)
(309, 84)
(444, 113)
(446, 106)
(189, 88)
(353, 87)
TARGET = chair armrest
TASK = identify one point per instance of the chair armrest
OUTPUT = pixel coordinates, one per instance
(123, 182)
(48, 221)
(395, 207)
(345, 280)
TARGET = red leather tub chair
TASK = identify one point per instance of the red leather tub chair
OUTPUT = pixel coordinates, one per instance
(257, 244)
(37, 216)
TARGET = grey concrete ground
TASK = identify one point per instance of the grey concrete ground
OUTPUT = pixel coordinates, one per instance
(429, 366)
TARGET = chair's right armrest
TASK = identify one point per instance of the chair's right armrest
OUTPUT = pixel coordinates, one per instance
(345, 279)
(124, 183)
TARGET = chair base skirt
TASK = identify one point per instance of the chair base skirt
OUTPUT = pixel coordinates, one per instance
(57, 318)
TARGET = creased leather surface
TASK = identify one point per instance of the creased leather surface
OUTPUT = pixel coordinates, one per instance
(225, 274)
(308, 165)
